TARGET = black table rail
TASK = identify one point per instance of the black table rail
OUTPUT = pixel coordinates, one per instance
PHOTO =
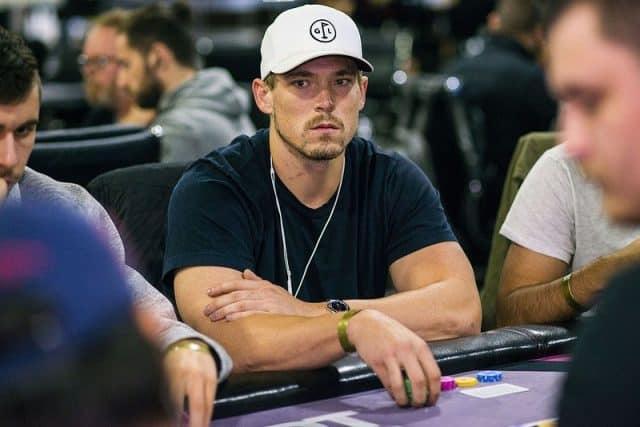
(245, 393)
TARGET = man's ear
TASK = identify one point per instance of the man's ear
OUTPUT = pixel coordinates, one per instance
(363, 91)
(262, 95)
(494, 23)
(159, 56)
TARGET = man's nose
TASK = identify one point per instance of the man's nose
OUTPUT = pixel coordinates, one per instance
(8, 155)
(576, 134)
(121, 79)
(325, 100)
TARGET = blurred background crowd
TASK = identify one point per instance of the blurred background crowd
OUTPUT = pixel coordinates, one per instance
(456, 82)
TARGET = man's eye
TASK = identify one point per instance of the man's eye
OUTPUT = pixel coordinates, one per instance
(300, 83)
(24, 131)
(590, 104)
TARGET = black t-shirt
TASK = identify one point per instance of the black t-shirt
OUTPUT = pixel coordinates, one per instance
(601, 386)
(223, 213)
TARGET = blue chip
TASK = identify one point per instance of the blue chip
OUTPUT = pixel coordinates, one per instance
(489, 376)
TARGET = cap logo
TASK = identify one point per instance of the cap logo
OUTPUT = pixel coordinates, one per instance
(322, 31)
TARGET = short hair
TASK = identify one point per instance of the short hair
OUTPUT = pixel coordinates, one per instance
(519, 16)
(115, 18)
(18, 68)
(154, 23)
(619, 19)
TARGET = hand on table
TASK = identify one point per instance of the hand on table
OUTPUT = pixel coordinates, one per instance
(192, 374)
(389, 348)
(250, 295)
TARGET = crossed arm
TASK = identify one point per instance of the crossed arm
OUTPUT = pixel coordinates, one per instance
(438, 299)
(265, 328)
(531, 284)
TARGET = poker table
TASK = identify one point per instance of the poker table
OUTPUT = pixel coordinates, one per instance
(347, 393)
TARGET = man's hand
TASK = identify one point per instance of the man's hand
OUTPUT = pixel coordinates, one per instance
(389, 348)
(192, 374)
(252, 295)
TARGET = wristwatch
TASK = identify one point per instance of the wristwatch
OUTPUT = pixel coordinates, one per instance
(337, 305)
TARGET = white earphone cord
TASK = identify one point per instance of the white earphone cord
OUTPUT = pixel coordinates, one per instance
(284, 242)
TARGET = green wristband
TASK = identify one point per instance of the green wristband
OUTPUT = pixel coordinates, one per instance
(342, 331)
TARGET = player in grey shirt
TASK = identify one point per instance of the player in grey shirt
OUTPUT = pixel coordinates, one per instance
(556, 226)
(190, 357)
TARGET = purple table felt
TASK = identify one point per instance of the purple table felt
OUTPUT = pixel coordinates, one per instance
(375, 408)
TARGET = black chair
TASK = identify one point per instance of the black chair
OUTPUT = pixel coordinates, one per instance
(137, 198)
(412, 102)
(443, 132)
(85, 133)
(63, 104)
(466, 177)
(80, 160)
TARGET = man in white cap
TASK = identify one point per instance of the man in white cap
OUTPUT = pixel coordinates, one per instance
(279, 245)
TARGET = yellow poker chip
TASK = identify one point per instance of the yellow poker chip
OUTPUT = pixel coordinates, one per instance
(466, 381)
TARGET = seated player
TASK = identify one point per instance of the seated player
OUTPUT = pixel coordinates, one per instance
(279, 245)
(595, 72)
(563, 247)
(192, 360)
(198, 110)
(73, 353)
(99, 67)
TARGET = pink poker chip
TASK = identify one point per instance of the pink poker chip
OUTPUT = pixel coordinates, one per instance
(447, 383)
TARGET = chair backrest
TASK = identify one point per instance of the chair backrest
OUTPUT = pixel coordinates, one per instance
(85, 133)
(455, 134)
(412, 100)
(63, 103)
(530, 147)
(81, 160)
(137, 199)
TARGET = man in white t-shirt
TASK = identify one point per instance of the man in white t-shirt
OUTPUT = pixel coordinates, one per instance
(563, 247)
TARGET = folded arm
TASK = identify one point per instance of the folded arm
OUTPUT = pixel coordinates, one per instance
(303, 342)
(437, 296)
(264, 341)
(531, 284)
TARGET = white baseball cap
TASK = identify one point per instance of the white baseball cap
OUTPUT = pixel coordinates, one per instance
(307, 32)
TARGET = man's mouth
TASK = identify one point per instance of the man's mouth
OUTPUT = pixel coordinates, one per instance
(322, 126)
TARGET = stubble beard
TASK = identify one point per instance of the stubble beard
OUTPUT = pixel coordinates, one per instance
(326, 152)
(98, 96)
(150, 91)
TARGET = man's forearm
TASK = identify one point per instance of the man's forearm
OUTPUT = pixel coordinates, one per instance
(547, 302)
(591, 279)
(438, 311)
(276, 342)
(538, 303)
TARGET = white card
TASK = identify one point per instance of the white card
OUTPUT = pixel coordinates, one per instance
(494, 390)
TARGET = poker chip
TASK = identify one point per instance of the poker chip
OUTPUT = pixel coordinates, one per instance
(407, 388)
(447, 383)
(466, 381)
(489, 376)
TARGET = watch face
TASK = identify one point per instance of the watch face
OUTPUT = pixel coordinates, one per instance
(336, 305)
